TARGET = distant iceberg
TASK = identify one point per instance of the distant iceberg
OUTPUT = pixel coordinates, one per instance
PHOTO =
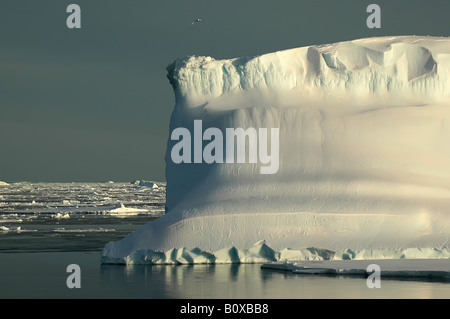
(120, 208)
(364, 157)
(145, 184)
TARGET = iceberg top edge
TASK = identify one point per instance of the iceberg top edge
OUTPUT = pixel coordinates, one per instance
(386, 66)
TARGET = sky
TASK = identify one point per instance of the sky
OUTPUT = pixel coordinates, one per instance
(93, 104)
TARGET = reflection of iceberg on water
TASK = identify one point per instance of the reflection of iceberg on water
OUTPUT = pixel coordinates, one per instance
(364, 159)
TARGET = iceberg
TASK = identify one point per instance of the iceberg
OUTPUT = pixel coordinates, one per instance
(364, 159)
(145, 184)
(425, 269)
(121, 209)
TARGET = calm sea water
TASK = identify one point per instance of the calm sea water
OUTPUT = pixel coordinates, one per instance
(43, 275)
(46, 227)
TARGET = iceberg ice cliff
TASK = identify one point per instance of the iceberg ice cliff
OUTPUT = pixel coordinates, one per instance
(364, 157)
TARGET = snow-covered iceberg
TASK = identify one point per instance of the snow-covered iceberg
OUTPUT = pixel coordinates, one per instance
(145, 184)
(364, 157)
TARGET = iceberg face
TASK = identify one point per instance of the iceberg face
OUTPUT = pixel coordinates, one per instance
(364, 160)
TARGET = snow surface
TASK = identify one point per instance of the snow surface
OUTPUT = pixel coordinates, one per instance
(3, 183)
(364, 157)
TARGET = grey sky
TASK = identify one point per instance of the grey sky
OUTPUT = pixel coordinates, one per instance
(93, 104)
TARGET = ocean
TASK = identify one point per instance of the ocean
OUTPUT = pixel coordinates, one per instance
(45, 227)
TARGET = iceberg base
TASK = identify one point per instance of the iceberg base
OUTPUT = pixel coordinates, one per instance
(209, 239)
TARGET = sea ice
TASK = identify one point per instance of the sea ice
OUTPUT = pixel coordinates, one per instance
(145, 184)
(121, 209)
(59, 216)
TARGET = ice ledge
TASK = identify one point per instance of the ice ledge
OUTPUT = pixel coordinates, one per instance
(411, 268)
(262, 253)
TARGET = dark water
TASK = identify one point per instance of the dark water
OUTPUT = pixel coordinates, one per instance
(47, 227)
(43, 275)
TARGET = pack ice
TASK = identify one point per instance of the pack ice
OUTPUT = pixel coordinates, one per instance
(364, 157)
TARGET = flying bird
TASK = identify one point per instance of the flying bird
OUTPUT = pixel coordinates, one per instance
(196, 20)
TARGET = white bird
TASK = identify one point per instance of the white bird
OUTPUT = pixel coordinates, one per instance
(196, 20)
